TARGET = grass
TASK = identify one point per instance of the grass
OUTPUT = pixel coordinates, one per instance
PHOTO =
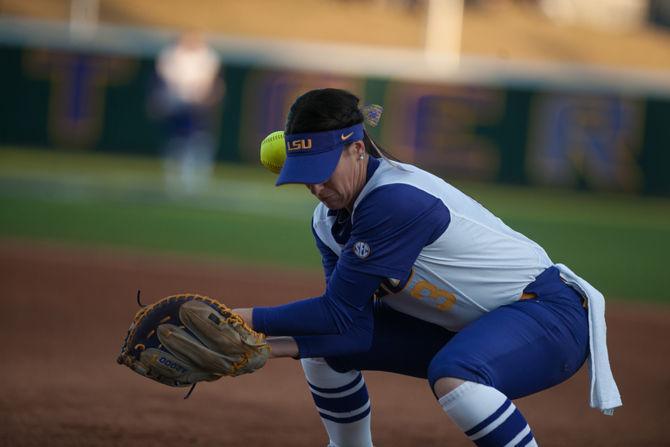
(162, 228)
(619, 243)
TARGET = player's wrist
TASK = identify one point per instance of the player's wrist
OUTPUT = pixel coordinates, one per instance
(247, 314)
(283, 347)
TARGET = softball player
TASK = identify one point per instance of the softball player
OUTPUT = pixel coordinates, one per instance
(422, 280)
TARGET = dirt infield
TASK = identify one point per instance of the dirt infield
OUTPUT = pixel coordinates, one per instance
(64, 314)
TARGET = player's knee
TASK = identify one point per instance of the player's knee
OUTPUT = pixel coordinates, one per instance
(437, 372)
(446, 385)
(447, 372)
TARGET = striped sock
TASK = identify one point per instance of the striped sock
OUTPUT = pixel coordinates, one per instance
(487, 417)
(342, 402)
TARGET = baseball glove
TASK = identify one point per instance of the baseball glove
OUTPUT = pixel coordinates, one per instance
(185, 339)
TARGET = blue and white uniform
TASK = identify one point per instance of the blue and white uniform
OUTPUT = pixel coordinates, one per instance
(422, 280)
(462, 261)
(433, 255)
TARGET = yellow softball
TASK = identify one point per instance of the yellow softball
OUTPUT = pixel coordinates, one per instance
(273, 151)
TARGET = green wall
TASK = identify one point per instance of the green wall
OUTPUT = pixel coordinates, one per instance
(518, 135)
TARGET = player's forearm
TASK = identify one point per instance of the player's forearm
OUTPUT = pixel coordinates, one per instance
(279, 346)
(311, 316)
(356, 339)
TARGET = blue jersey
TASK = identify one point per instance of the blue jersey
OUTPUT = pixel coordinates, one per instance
(422, 246)
(435, 255)
(444, 258)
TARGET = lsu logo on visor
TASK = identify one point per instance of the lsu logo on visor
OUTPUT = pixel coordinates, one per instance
(299, 145)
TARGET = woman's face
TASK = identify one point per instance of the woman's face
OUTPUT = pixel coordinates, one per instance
(342, 188)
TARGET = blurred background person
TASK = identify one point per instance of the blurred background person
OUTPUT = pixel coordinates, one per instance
(190, 89)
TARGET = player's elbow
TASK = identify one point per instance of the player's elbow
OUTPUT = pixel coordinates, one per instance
(354, 326)
(364, 344)
(358, 338)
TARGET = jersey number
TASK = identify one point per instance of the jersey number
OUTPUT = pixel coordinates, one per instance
(423, 289)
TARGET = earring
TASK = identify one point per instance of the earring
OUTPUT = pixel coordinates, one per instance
(361, 157)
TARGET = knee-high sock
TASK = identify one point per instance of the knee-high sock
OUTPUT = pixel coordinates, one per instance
(342, 402)
(487, 416)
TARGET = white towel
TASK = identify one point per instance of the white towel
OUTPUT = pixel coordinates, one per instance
(604, 393)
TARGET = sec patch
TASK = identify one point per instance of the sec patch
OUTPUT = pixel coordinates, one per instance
(361, 249)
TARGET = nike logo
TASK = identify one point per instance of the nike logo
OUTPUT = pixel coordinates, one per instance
(345, 137)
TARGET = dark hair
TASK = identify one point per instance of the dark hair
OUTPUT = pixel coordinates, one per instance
(329, 109)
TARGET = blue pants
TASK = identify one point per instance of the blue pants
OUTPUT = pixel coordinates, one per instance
(519, 349)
